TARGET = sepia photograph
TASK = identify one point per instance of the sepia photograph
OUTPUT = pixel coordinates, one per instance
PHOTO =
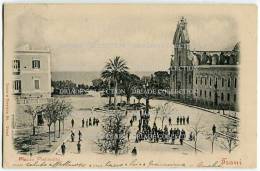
(129, 86)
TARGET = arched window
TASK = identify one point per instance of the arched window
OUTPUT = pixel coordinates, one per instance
(229, 80)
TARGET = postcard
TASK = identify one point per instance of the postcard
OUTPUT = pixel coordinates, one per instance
(129, 86)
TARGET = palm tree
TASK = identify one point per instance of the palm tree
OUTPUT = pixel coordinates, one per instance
(112, 71)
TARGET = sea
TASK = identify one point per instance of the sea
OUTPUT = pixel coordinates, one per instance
(86, 77)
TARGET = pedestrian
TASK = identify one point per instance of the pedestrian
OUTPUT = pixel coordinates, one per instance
(80, 134)
(72, 123)
(188, 120)
(131, 122)
(126, 113)
(72, 135)
(173, 138)
(90, 122)
(78, 146)
(94, 121)
(63, 148)
(97, 121)
(83, 122)
(183, 120)
(177, 120)
(170, 121)
(180, 120)
(214, 129)
(134, 151)
(191, 136)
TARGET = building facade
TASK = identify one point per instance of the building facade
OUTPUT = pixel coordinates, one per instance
(204, 78)
(32, 73)
(31, 83)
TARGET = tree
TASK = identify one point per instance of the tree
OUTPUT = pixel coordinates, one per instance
(65, 109)
(33, 112)
(164, 110)
(51, 113)
(197, 129)
(161, 80)
(129, 81)
(114, 134)
(113, 69)
(228, 132)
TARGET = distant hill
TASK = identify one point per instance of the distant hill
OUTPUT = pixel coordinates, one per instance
(85, 77)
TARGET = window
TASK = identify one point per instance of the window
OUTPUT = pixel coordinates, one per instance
(235, 97)
(205, 81)
(196, 92)
(205, 93)
(201, 81)
(210, 94)
(229, 80)
(16, 65)
(36, 64)
(200, 92)
(235, 83)
(222, 97)
(36, 84)
(17, 85)
(228, 97)
(223, 82)
(210, 81)
(216, 82)
(196, 80)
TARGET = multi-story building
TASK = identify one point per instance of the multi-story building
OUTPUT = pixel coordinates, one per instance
(31, 71)
(205, 78)
(31, 82)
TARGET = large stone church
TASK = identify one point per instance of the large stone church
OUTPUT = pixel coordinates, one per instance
(203, 78)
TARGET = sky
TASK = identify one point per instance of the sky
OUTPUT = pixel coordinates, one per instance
(84, 37)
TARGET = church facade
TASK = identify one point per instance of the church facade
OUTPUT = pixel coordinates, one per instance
(204, 78)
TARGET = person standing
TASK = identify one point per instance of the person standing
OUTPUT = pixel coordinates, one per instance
(183, 120)
(83, 122)
(90, 122)
(188, 120)
(180, 120)
(170, 121)
(72, 135)
(134, 151)
(72, 123)
(79, 146)
(213, 129)
(63, 148)
(80, 134)
(177, 120)
(131, 122)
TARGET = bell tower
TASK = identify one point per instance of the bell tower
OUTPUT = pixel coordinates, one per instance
(181, 70)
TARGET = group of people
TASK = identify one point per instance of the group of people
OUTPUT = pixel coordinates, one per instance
(181, 120)
(89, 122)
(72, 135)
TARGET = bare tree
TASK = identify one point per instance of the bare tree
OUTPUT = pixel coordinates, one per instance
(164, 111)
(197, 129)
(33, 112)
(50, 115)
(229, 133)
(114, 138)
(65, 109)
(211, 137)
